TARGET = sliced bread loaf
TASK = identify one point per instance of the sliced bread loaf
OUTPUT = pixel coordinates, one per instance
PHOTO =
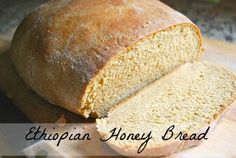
(191, 98)
(87, 56)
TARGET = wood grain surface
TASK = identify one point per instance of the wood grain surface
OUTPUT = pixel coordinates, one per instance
(221, 143)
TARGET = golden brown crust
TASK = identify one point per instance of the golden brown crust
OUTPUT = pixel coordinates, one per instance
(34, 107)
(62, 45)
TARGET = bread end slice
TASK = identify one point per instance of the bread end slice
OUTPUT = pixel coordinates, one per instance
(192, 98)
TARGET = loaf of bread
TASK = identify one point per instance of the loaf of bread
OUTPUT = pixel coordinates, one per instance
(86, 56)
(191, 98)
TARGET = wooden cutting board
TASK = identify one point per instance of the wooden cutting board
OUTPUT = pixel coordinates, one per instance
(221, 143)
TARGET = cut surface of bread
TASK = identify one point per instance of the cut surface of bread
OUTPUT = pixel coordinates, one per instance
(86, 56)
(140, 64)
(191, 98)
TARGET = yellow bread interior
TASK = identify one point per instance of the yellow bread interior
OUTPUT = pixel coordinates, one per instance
(191, 98)
(139, 65)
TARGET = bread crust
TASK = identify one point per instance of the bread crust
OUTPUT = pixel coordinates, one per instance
(60, 47)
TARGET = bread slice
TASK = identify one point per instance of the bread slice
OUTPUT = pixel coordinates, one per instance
(86, 56)
(191, 98)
